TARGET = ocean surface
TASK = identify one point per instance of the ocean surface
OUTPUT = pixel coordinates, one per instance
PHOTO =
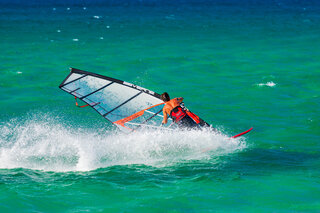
(238, 64)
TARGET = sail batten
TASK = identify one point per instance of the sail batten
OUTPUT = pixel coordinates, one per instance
(97, 90)
(123, 103)
(77, 79)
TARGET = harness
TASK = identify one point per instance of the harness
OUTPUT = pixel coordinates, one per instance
(177, 114)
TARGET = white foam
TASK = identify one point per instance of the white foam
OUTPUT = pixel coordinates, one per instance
(97, 17)
(101, 38)
(44, 143)
(269, 84)
(59, 31)
(75, 39)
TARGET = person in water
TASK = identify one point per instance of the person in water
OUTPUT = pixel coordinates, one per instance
(176, 112)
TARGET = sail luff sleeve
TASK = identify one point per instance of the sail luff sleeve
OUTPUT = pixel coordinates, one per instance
(124, 83)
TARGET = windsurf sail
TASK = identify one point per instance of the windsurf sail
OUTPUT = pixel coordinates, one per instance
(126, 105)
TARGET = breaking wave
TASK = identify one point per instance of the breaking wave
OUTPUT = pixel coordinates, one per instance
(45, 143)
(268, 84)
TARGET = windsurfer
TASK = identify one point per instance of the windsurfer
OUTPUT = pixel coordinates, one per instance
(176, 112)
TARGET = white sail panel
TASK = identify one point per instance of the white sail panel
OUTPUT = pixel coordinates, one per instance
(73, 77)
(116, 100)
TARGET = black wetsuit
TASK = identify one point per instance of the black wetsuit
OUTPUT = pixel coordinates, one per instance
(181, 118)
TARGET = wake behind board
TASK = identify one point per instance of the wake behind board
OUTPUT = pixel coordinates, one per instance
(235, 136)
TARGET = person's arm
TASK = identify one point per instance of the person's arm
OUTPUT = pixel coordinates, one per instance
(165, 116)
(180, 99)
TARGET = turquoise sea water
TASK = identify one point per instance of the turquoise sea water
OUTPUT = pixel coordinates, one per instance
(238, 64)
